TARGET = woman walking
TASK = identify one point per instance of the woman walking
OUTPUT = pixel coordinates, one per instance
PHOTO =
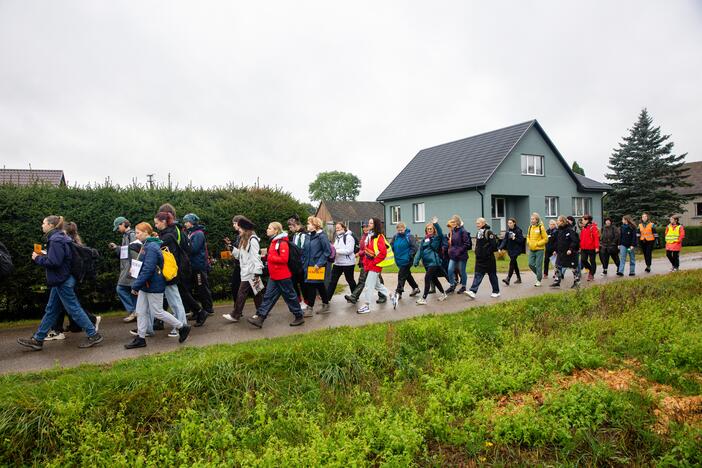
(459, 243)
(345, 259)
(674, 235)
(627, 244)
(428, 253)
(57, 263)
(514, 243)
(251, 267)
(537, 237)
(589, 245)
(316, 253)
(404, 245)
(609, 245)
(376, 253)
(485, 264)
(551, 232)
(647, 239)
(567, 245)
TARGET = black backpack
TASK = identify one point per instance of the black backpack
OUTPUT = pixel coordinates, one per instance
(294, 258)
(6, 266)
(356, 243)
(83, 262)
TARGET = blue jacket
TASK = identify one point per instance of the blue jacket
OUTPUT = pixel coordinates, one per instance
(57, 260)
(198, 248)
(429, 248)
(150, 279)
(404, 246)
(514, 246)
(316, 251)
(627, 236)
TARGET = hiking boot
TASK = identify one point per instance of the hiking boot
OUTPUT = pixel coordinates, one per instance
(299, 320)
(32, 342)
(136, 343)
(462, 290)
(324, 310)
(129, 318)
(256, 321)
(309, 311)
(414, 292)
(450, 289)
(91, 341)
(183, 332)
(350, 299)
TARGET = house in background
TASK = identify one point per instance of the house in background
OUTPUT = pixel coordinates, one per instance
(692, 216)
(32, 176)
(505, 173)
(351, 213)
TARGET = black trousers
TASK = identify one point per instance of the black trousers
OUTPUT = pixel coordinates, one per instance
(200, 282)
(311, 290)
(432, 277)
(513, 268)
(589, 260)
(337, 271)
(547, 260)
(674, 257)
(609, 252)
(647, 249)
(405, 275)
(184, 288)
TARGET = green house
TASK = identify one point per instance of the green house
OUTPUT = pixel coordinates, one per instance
(502, 174)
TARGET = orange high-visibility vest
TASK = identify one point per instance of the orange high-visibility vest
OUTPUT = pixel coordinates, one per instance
(646, 232)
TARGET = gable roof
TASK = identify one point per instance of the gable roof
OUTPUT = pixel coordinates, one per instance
(354, 210)
(30, 176)
(589, 185)
(468, 163)
(694, 177)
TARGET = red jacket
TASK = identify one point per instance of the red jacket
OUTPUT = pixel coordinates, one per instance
(590, 237)
(370, 260)
(278, 253)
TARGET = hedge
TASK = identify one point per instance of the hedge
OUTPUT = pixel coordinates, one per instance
(93, 208)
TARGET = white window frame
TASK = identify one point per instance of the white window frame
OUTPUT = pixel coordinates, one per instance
(415, 212)
(698, 209)
(551, 214)
(582, 206)
(395, 214)
(529, 165)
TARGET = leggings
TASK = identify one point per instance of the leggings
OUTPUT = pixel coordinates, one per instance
(647, 249)
(432, 277)
(674, 257)
(588, 259)
(513, 268)
(606, 253)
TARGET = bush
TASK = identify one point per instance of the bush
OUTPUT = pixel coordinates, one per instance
(94, 208)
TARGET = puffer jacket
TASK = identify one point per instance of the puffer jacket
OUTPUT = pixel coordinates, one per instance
(315, 252)
(609, 238)
(537, 237)
(428, 252)
(405, 248)
(513, 242)
(249, 259)
(278, 254)
(57, 260)
(150, 279)
(590, 237)
(567, 240)
(459, 244)
(344, 245)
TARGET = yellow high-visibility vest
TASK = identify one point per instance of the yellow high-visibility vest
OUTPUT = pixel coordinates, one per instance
(389, 258)
(672, 234)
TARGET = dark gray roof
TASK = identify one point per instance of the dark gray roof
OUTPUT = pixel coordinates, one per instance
(466, 164)
(354, 210)
(694, 177)
(591, 185)
(30, 176)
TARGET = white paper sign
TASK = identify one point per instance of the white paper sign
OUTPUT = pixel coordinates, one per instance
(256, 285)
(124, 252)
(135, 269)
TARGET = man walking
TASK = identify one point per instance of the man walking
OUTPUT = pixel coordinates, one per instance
(127, 251)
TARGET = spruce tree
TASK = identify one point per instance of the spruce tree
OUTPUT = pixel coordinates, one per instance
(577, 169)
(645, 173)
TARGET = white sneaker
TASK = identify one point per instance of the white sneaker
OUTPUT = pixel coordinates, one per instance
(230, 318)
(470, 294)
(443, 297)
(363, 309)
(495, 295)
(130, 318)
(309, 311)
(98, 319)
(537, 284)
(393, 299)
(174, 333)
(52, 335)
(421, 301)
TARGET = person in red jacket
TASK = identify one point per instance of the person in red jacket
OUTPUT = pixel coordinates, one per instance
(589, 245)
(280, 282)
(674, 235)
(374, 252)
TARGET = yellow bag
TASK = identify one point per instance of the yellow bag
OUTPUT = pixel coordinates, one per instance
(170, 267)
(315, 275)
(389, 258)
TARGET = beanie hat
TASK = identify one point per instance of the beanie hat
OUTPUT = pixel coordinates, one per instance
(191, 218)
(246, 224)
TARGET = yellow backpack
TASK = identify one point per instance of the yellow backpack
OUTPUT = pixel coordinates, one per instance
(170, 267)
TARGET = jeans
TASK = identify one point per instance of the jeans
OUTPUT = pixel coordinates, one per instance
(623, 253)
(536, 263)
(405, 274)
(478, 278)
(588, 260)
(337, 271)
(202, 286)
(673, 257)
(172, 294)
(149, 305)
(432, 277)
(63, 294)
(373, 283)
(275, 289)
(606, 253)
(647, 249)
(128, 299)
(461, 265)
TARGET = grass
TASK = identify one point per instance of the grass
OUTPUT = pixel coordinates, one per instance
(501, 385)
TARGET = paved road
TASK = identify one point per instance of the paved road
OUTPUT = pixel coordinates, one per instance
(14, 358)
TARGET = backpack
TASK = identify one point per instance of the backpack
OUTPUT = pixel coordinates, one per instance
(332, 255)
(83, 262)
(294, 258)
(170, 267)
(356, 243)
(6, 266)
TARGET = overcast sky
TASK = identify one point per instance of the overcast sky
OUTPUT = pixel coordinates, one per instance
(214, 92)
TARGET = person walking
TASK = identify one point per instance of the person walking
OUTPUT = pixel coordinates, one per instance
(297, 236)
(459, 243)
(647, 239)
(316, 254)
(674, 235)
(375, 257)
(589, 245)
(235, 280)
(280, 282)
(149, 287)
(551, 232)
(485, 264)
(567, 245)
(361, 283)
(404, 245)
(609, 245)
(627, 246)
(344, 260)
(248, 252)
(59, 278)
(199, 260)
(428, 254)
(537, 238)
(513, 242)
(127, 251)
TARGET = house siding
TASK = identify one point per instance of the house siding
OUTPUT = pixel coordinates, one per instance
(465, 204)
(688, 217)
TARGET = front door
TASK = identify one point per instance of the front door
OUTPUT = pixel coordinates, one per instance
(499, 219)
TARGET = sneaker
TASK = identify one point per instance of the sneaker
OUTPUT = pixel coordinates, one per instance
(519, 281)
(381, 299)
(201, 318)
(451, 289)
(129, 318)
(189, 316)
(555, 284)
(136, 343)
(324, 310)
(462, 290)
(443, 297)
(648, 270)
(506, 281)
(364, 309)
(173, 333)
(32, 342)
(634, 274)
(350, 299)
(210, 312)
(414, 292)
(470, 294)
(52, 335)
(393, 299)
(299, 320)
(309, 312)
(537, 284)
(158, 325)
(184, 332)
(421, 301)
(98, 319)
(495, 295)
(230, 318)
(91, 341)
(619, 273)
(432, 290)
(604, 272)
(136, 333)
(576, 285)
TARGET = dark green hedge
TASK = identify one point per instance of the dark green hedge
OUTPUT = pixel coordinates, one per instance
(94, 208)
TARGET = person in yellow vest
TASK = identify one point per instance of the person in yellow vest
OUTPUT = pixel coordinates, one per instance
(674, 235)
(647, 239)
(375, 254)
(537, 237)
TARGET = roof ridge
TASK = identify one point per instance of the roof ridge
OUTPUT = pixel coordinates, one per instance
(479, 134)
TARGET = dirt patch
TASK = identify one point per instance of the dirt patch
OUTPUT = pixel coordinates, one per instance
(686, 410)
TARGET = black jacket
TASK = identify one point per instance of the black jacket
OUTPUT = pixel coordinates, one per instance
(609, 238)
(513, 242)
(169, 237)
(567, 239)
(628, 237)
(485, 248)
(552, 238)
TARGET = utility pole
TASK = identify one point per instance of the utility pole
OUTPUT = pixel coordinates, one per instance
(150, 180)
(169, 181)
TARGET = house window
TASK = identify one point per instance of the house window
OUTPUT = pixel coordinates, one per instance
(418, 212)
(582, 206)
(551, 207)
(395, 214)
(698, 209)
(532, 165)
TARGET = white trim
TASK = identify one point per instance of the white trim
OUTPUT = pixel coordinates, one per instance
(415, 213)
(393, 218)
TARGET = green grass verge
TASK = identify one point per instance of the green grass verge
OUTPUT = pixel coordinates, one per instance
(427, 391)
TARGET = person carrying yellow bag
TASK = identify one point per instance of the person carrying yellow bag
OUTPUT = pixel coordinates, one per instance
(377, 255)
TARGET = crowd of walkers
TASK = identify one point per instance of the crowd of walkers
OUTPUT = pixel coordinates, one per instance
(164, 269)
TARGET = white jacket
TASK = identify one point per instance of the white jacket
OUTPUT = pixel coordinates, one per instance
(249, 259)
(344, 244)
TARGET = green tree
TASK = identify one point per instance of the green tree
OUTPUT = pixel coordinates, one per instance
(645, 173)
(577, 169)
(335, 186)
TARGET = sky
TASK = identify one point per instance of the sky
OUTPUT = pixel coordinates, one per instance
(275, 92)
